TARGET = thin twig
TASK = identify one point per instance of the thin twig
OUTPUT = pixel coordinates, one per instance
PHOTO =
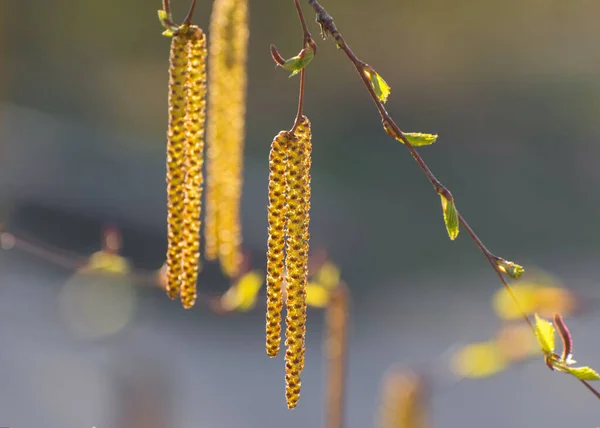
(591, 388)
(190, 15)
(306, 42)
(9, 241)
(329, 29)
(167, 7)
(300, 101)
(302, 20)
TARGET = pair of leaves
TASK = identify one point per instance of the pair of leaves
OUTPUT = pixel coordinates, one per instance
(382, 91)
(167, 23)
(545, 333)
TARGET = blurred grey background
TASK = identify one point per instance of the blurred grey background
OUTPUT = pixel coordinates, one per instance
(513, 89)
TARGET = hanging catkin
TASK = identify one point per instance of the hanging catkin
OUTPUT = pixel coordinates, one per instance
(276, 240)
(225, 138)
(176, 142)
(296, 259)
(195, 90)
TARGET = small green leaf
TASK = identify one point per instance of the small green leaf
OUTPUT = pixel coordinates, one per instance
(418, 139)
(162, 16)
(380, 87)
(584, 373)
(510, 268)
(544, 331)
(450, 217)
(297, 63)
(165, 21)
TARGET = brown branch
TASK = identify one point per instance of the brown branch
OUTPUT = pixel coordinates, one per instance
(9, 241)
(302, 20)
(328, 29)
(190, 14)
(300, 101)
(591, 388)
(167, 7)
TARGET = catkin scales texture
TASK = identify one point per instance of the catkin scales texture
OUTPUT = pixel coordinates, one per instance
(225, 138)
(276, 240)
(296, 258)
(185, 159)
(194, 161)
(176, 140)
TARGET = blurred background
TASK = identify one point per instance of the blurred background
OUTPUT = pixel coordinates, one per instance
(511, 87)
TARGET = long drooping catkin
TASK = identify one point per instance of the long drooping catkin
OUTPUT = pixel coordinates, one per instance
(303, 132)
(195, 117)
(276, 241)
(227, 109)
(176, 141)
(296, 262)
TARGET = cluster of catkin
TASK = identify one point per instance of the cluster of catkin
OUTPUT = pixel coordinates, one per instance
(185, 147)
(287, 253)
(225, 134)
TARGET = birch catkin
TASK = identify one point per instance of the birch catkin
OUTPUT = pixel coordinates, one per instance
(227, 109)
(276, 240)
(176, 141)
(296, 262)
(194, 160)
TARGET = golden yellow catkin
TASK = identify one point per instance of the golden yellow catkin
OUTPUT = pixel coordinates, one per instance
(276, 240)
(225, 138)
(403, 402)
(303, 132)
(296, 258)
(176, 142)
(195, 117)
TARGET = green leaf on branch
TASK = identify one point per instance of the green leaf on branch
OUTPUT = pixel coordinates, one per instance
(297, 63)
(163, 17)
(417, 139)
(510, 268)
(165, 21)
(450, 217)
(544, 331)
(583, 373)
(380, 87)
